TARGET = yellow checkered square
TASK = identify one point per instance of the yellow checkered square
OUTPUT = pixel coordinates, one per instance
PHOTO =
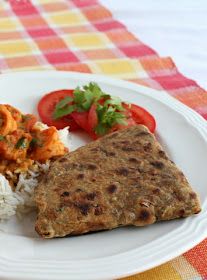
(69, 18)
(88, 40)
(122, 68)
(7, 24)
(14, 48)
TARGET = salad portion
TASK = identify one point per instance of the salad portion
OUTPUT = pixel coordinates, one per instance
(91, 109)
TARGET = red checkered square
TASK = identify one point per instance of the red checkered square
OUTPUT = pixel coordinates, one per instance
(41, 32)
(138, 50)
(61, 57)
(174, 81)
(23, 8)
(84, 3)
(108, 25)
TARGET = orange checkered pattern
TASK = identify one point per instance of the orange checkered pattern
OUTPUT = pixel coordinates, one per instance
(82, 35)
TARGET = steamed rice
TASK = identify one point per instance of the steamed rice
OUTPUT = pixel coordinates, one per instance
(21, 200)
(9, 200)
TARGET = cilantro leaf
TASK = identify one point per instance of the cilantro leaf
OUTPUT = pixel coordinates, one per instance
(101, 129)
(108, 116)
(95, 89)
(78, 95)
(63, 108)
(2, 138)
(83, 99)
(116, 102)
(63, 102)
(35, 142)
(21, 143)
(89, 94)
(64, 111)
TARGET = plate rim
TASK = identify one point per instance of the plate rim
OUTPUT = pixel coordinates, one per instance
(201, 220)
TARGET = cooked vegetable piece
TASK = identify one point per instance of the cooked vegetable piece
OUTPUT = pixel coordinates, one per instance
(7, 122)
(49, 145)
(15, 145)
(16, 114)
(28, 121)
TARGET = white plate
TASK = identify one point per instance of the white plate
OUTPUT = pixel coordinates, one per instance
(120, 252)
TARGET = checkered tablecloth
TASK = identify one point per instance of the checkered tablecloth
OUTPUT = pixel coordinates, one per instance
(82, 35)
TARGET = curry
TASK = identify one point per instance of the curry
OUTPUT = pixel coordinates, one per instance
(22, 142)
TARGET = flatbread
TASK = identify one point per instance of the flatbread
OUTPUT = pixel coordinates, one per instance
(124, 178)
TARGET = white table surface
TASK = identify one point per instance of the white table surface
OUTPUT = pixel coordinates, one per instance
(172, 28)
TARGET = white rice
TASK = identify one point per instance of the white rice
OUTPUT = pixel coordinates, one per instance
(8, 199)
(22, 200)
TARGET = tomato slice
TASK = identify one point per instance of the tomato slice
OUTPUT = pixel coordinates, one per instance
(129, 120)
(92, 121)
(142, 116)
(81, 119)
(46, 108)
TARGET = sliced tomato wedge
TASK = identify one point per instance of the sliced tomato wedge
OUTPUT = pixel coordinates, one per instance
(46, 108)
(92, 121)
(81, 119)
(129, 121)
(142, 116)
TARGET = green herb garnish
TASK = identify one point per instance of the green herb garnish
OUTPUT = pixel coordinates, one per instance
(108, 117)
(2, 138)
(21, 143)
(61, 112)
(90, 94)
(35, 143)
(110, 110)
(64, 102)
(116, 102)
(81, 102)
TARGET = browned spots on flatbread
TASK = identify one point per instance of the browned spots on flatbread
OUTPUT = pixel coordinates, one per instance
(122, 171)
(112, 188)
